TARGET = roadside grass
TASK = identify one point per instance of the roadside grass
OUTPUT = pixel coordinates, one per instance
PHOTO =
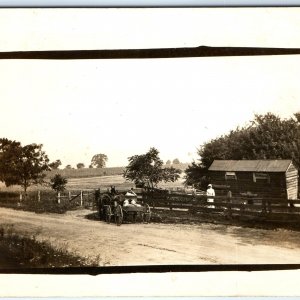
(27, 252)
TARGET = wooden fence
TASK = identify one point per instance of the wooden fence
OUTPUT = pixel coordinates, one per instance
(250, 208)
(84, 198)
(273, 209)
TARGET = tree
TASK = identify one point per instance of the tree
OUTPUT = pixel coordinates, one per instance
(24, 166)
(8, 158)
(297, 116)
(168, 162)
(176, 161)
(267, 137)
(147, 170)
(99, 160)
(68, 167)
(55, 165)
(33, 162)
(58, 183)
(80, 165)
(197, 176)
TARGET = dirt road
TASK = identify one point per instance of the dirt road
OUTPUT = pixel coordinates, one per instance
(150, 244)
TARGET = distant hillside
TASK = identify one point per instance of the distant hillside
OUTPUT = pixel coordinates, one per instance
(86, 172)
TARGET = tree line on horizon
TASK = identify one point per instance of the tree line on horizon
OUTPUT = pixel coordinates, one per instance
(97, 161)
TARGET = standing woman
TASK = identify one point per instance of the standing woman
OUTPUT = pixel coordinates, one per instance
(210, 192)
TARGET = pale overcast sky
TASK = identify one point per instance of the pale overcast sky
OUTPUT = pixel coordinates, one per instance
(124, 107)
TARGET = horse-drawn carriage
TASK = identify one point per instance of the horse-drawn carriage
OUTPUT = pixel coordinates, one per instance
(123, 206)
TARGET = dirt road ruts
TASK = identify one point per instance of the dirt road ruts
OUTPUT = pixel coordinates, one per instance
(156, 244)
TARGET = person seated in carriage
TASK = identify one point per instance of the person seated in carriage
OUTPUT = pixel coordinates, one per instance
(128, 202)
(134, 203)
(130, 199)
(131, 193)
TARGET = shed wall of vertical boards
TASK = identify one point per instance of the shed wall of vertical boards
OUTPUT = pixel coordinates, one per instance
(292, 182)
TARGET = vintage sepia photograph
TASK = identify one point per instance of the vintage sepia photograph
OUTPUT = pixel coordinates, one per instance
(158, 140)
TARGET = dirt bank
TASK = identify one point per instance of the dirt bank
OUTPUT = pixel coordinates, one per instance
(151, 244)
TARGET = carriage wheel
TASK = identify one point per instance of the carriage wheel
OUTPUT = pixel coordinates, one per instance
(118, 215)
(108, 214)
(147, 213)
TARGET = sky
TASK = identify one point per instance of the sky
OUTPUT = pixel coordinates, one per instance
(123, 107)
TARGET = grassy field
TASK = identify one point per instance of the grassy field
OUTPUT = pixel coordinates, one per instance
(42, 199)
(90, 179)
(104, 182)
(86, 172)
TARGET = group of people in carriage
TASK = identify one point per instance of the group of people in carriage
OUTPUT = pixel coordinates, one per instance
(110, 203)
(127, 199)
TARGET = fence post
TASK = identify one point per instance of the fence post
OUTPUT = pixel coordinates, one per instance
(39, 196)
(269, 205)
(229, 196)
(81, 198)
(69, 195)
(58, 197)
(264, 206)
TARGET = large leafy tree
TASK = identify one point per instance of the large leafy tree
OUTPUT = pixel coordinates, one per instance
(267, 137)
(99, 160)
(147, 170)
(9, 151)
(196, 175)
(22, 166)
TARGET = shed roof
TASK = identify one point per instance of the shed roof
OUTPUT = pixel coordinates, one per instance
(250, 165)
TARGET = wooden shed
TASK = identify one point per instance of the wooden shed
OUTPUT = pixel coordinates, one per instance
(266, 178)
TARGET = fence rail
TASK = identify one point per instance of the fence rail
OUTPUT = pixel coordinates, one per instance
(255, 208)
(277, 209)
(76, 197)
